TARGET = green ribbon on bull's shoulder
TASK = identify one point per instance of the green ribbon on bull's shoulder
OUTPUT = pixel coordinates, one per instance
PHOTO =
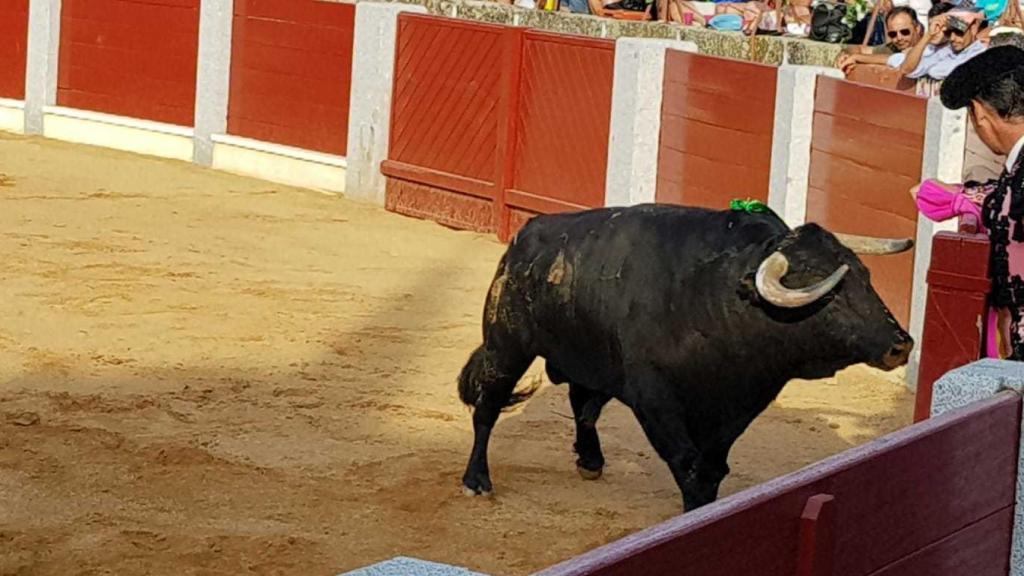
(749, 205)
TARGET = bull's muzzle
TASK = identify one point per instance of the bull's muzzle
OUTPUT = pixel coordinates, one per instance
(899, 354)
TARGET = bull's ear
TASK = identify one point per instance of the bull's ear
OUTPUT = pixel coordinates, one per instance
(747, 289)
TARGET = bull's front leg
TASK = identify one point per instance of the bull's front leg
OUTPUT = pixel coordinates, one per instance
(662, 418)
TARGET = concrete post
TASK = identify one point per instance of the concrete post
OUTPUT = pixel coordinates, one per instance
(373, 71)
(943, 160)
(41, 65)
(791, 140)
(978, 381)
(213, 76)
(636, 119)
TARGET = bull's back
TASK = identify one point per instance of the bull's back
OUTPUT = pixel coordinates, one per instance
(581, 279)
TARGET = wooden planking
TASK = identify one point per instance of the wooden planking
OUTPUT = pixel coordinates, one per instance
(453, 209)
(890, 150)
(866, 153)
(13, 48)
(978, 550)
(892, 504)
(563, 118)
(129, 107)
(538, 204)
(300, 12)
(159, 16)
(707, 183)
(871, 105)
(715, 145)
(318, 38)
(130, 58)
(446, 97)
(436, 179)
(291, 73)
(715, 75)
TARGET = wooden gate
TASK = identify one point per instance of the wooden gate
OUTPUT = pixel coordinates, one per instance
(934, 499)
(955, 318)
(716, 139)
(493, 124)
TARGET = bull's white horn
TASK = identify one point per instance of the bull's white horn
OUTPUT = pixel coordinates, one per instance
(769, 283)
(874, 246)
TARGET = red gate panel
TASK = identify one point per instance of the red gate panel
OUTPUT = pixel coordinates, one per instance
(717, 120)
(955, 318)
(904, 504)
(445, 160)
(562, 125)
(291, 72)
(866, 154)
(130, 58)
(13, 48)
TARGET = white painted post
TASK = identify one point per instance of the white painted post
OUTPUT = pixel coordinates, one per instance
(944, 140)
(41, 66)
(373, 71)
(634, 136)
(979, 381)
(791, 140)
(213, 76)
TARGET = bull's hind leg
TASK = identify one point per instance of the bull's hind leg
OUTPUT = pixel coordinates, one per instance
(586, 407)
(488, 384)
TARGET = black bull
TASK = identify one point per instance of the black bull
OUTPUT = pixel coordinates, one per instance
(694, 319)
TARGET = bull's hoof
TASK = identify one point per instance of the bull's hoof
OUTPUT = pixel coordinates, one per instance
(471, 492)
(589, 474)
(477, 485)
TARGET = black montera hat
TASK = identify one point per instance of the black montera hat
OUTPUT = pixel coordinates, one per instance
(968, 79)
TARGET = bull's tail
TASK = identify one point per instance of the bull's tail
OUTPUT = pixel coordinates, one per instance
(482, 370)
(471, 377)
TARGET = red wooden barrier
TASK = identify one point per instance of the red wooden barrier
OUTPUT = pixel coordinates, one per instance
(291, 71)
(936, 499)
(13, 48)
(955, 317)
(716, 139)
(493, 124)
(562, 126)
(450, 112)
(135, 59)
(866, 154)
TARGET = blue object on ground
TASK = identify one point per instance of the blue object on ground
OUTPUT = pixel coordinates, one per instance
(403, 566)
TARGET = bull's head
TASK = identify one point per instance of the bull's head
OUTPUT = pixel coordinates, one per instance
(812, 269)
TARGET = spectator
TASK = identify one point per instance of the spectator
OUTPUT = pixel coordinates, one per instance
(902, 30)
(952, 39)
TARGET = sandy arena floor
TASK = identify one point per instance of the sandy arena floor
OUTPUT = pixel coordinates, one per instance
(208, 374)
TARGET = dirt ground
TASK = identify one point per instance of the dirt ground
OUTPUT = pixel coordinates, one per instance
(207, 374)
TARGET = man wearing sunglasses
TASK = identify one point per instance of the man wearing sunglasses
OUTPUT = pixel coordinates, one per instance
(952, 39)
(901, 29)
